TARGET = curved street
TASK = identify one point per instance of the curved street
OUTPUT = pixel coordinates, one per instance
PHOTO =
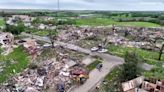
(95, 76)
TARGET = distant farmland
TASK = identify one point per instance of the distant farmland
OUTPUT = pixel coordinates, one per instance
(105, 22)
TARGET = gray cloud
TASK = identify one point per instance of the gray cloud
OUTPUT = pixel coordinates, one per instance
(89, 0)
(85, 4)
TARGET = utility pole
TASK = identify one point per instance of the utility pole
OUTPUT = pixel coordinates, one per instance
(53, 36)
(58, 8)
(58, 5)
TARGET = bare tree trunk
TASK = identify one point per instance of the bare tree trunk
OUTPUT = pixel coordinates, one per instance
(52, 42)
(161, 51)
(51, 37)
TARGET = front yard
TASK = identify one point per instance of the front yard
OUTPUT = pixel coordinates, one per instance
(149, 57)
(13, 63)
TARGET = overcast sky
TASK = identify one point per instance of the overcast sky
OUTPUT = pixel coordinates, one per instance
(137, 5)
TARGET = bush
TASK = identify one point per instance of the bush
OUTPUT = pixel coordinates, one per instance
(131, 67)
(15, 29)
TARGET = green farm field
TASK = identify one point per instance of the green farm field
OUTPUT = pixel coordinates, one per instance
(106, 22)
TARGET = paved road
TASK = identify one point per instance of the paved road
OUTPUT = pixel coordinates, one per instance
(106, 57)
(95, 76)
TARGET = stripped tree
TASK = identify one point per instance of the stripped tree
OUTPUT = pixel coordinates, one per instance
(161, 52)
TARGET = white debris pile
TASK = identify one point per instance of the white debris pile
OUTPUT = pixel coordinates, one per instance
(140, 37)
(6, 42)
(73, 34)
(38, 78)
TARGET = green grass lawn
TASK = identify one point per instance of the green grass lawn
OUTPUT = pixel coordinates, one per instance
(38, 32)
(93, 65)
(157, 72)
(138, 24)
(149, 56)
(41, 33)
(112, 81)
(114, 73)
(105, 22)
(95, 22)
(2, 22)
(21, 62)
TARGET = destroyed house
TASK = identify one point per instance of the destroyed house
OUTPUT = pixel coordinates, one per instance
(6, 39)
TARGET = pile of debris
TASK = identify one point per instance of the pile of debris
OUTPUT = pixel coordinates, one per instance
(79, 74)
(141, 85)
(46, 75)
(72, 33)
(38, 78)
(27, 20)
(140, 37)
(120, 40)
(6, 42)
(30, 46)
